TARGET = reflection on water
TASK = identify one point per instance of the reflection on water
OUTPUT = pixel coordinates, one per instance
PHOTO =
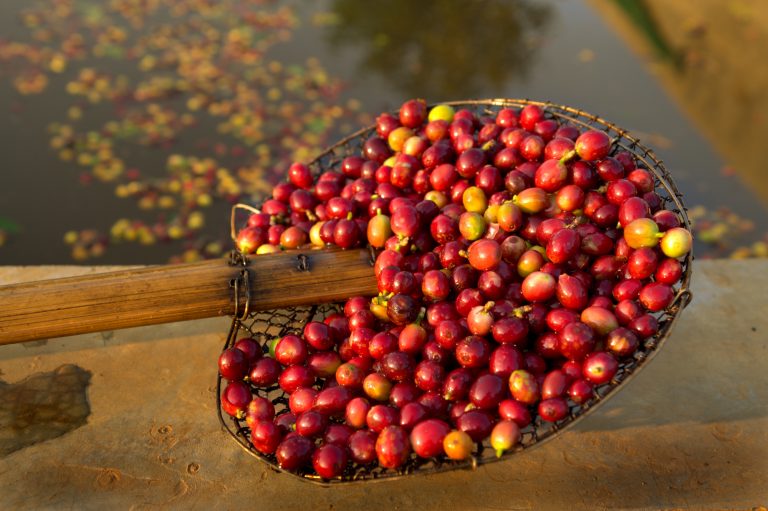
(455, 54)
(637, 12)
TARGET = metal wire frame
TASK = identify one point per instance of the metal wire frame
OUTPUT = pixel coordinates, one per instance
(266, 325)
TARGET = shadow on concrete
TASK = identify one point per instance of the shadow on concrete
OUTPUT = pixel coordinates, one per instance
(42, 406)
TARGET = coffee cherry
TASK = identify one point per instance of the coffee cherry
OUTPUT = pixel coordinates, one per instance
(593, 145)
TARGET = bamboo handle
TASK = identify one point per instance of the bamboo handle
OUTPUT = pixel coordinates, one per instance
(163, 294)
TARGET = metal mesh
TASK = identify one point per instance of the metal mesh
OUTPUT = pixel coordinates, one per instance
(266, 325)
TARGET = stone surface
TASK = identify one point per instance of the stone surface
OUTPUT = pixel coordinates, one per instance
(690, 431)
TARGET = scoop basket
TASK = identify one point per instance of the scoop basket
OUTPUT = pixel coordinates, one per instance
(266, 325)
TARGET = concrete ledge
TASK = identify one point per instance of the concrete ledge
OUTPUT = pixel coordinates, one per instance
(690, 431)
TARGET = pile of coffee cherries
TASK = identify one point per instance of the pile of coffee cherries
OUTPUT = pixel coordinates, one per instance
(521, 262)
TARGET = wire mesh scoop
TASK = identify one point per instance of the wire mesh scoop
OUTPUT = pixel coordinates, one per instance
(264, 326)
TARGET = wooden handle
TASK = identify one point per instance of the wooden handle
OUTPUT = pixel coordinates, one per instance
(163, 294)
